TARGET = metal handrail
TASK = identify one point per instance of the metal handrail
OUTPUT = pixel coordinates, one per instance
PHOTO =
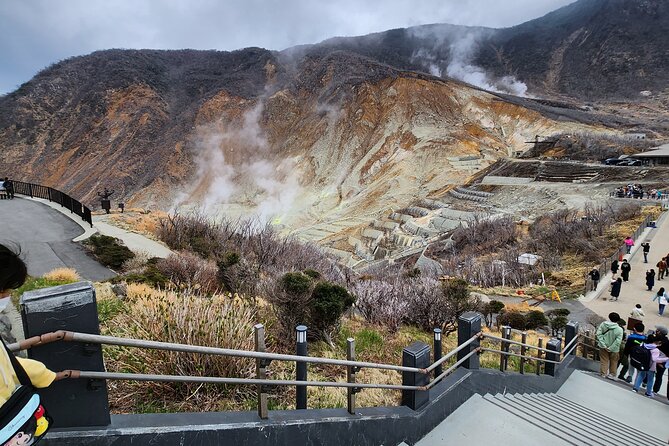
(510, 341)
(157, 345)
(449, 370)
(534, 358)
(453, 352)
(75, 374)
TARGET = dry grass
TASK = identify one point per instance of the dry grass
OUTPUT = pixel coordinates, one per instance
(186, 318)
(139, 221)
(63, 275)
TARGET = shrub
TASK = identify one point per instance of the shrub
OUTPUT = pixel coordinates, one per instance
(558, 319)
(328, 304)
(490, 309)
(298, 299)
(535, 319)
(432, 306)
(109, 251)
(381, 302)
(513, 319)
(66, 275)
(186, 269)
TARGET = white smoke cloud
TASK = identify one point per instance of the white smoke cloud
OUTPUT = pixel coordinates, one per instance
(234, 165)
(461, 68)
(458, 64)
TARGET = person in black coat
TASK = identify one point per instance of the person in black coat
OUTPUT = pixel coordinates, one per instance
(625, 269)
(614, 267)
(650, 279)
(594, 276)
(615, 288)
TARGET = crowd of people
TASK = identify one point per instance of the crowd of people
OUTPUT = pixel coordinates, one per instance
(637, 191)
(623, 355)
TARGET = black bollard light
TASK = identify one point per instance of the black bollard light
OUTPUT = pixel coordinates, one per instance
(301, 367)
(437, 351)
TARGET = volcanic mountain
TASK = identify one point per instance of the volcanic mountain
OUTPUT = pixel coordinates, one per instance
(338, 131)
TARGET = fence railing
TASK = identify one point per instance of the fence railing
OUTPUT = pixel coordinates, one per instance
(420, 372)
(48, 193)
(605, 266)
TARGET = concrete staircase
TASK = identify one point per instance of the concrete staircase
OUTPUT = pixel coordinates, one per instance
(587, 410)
(566, 172)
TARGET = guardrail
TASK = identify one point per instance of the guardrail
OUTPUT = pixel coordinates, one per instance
(48, 193)
(416, 379)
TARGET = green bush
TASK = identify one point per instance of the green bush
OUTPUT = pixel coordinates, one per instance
(535, 319)
(512, 319)
(299, 299)
(109, 251)
(328, 304)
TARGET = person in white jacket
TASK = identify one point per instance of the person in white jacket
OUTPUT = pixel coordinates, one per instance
(662, 300)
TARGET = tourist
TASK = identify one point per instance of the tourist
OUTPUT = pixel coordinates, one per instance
(629, 242)
(646, 250)
(17, 371)
(594, 278)
(625, 269)
(661, 333)
(614, 267)
(615, 288)
(609, 336)
(9, 188)
(661, 298)
(650, 279)
(637, 312)
(656, 357)
(661, 268)
(635, 338)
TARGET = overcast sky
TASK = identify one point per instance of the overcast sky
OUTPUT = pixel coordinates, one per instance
(36, 33)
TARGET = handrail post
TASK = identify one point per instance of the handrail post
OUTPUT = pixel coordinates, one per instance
(504, 358)
(540, 344)
(554, 346)
(469, 324)
(437, 351)
(416, 355)
(571, 332)
(301, 367)
(350, 376)
(261, 370)
(586, 344)
(523, 352)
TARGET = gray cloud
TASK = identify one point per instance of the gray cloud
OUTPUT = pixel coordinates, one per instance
(37, 33)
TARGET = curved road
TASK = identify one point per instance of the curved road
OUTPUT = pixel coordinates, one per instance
(44, 236)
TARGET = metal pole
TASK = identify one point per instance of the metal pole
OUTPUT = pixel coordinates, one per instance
(301, 367)
(541, 345)
(437, 350)
(503, 358)
(261, 370)
(523, 350)
(350, 375)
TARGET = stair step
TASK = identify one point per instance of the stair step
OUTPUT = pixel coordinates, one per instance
(581, 436)
(559, 433)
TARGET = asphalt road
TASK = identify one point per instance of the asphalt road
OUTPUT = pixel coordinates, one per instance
(44, 237)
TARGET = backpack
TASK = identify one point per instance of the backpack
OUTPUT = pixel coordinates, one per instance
(23, 419)
(640, 358)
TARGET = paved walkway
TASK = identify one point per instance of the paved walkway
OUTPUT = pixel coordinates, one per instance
(635, 291)
(45, 239)
(136, 242)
